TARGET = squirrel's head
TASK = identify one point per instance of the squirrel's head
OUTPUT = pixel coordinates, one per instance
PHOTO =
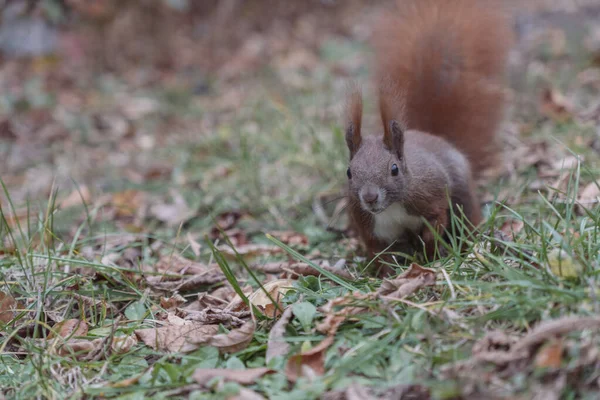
(377, 172)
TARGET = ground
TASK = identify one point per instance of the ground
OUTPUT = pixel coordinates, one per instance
(179, 231)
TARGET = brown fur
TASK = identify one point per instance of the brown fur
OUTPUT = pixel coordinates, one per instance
(354, 120)
(446, 61)
(441, 65)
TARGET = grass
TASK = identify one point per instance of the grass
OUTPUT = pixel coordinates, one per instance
(270, 160)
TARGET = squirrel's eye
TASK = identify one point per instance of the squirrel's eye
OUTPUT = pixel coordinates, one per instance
(349, 173)
(394, 170)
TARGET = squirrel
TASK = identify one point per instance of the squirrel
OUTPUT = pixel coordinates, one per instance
(441, 67)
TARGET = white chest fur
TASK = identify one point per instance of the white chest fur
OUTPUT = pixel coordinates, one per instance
(393, 221)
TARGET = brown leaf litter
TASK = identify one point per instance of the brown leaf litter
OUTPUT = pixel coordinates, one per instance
(588, 198)
(175, 213)
(291, 238)
(555, 105)
(90, 350)
(276, 290)
(250, 250)
(550, 354)
(180, 274)
(308, 363)
(204, 376)
(67, 338)
(408, 282)
(123, 344)
(292, 269)
(211, 316)
(541, 347)
(127, 203)
(79, 349)
(311, 363)
(399, 392)
(276, 345)
(8, 308)
(227, 222)
(236, 340)
(512, 227)
(334, 315)
(218, 298)
(69, 328)
(77, 197)
(177, 335)
(169, 303)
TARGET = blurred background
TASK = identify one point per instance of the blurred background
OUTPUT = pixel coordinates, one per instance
(170, 110)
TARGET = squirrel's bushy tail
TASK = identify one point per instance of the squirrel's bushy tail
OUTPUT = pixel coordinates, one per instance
(445, 62)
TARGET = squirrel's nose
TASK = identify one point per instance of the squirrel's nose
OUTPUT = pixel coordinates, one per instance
(370, 194)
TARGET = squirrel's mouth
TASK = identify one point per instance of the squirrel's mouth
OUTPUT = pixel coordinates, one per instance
(374, 210)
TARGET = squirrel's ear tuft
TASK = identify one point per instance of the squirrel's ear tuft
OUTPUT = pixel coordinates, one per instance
(390, 106)
(354, 121)
(397, 136)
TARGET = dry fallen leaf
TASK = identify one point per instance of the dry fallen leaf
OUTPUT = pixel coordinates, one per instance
(555, 105)
(194, 245)
(277, 346)
(557, 327)
(185, 283)
(127, 382)
(550, 355)
(303, 269)
(247, 394)
(174, 264)
(533, 154)
(358, 392)
(137, 107)
(77, 197)
(308, 363)
(17, 217)
(172, 302)
(173, 214)
(236, 340)
(493, 341)
(217, 298)
(8, 307)
(213, 316)
(225, 222)
(79, 348)
(183, 274)
(122, 344)
(276, 289)
(291, 238)
(69, 328)
(236, 236)
(98, 10)
(250, 250)
(249, 376)
(185, 337)
(512, 227)
(567, 163)
(408, 282)
(127, 203)
(333, 318)
(588, 198)
(498, 349)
